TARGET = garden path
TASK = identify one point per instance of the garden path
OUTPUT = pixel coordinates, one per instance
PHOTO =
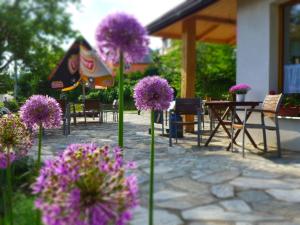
(199, 186)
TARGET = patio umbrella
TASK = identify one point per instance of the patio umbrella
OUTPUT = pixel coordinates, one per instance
(81, 65)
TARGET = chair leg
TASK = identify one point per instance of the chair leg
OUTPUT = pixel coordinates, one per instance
(232, 135)
(243, 141)
(170, 134)
(176, 133)
(163, 128)
(278, 137)
(199, 131)
(264, 132)
(265, 140)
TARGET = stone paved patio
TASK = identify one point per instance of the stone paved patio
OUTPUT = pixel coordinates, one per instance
(199, 186)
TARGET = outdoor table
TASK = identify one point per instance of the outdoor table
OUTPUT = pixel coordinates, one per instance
(229, 107)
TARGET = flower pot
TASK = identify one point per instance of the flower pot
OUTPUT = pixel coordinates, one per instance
(289, 111)
(240, 97)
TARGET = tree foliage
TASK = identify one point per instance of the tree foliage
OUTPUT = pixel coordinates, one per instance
(32, 34)
(29, 25)
(216, 68)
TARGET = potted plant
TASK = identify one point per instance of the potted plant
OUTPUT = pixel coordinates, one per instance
(290, 106)
(240, 90)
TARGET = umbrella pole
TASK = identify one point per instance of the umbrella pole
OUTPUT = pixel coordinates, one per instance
(83, 101)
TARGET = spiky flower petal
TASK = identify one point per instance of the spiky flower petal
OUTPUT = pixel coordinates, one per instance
(120, 32)
(153, 93)
(86, 185)
(44, 110)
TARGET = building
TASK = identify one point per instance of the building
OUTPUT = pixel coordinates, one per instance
(266, 34)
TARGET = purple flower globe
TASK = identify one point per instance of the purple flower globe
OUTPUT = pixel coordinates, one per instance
(86, 185)
(153, 93)
(41, 110)
(120, 32)
(15, 139)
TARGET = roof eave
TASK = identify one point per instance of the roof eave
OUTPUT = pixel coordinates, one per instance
(181, 11)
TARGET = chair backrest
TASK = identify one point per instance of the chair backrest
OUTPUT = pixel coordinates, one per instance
(188, 106)
(92, 104)
(272, 103)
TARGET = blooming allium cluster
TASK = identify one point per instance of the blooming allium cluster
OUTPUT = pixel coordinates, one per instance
(86, 185)
(41, 110)
(240, 89)
(15, 139)
(153, 93)
(120, 32)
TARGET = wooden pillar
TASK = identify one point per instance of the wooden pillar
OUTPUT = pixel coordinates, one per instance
(188, 71)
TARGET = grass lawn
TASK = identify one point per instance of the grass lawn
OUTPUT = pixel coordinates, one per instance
(23, 208)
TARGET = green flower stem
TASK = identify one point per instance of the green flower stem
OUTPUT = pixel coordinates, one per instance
(121, 100)
(9, 190)
(39, 147)
(152, 156)
(38, 166)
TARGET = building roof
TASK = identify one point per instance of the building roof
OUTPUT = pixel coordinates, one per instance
(181, 11)
(215, 21)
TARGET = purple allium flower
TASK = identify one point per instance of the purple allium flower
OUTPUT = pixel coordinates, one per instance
(153, 93)
(14, 138)
(86, 185)
(120, 32)
(240, 89)
(39, 109)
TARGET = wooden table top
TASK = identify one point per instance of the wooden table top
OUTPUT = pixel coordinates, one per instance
(231, 103)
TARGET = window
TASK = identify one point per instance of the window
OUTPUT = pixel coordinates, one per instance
(291, 48)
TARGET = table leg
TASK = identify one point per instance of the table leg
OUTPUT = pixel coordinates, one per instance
(246, 131)
(220, 119)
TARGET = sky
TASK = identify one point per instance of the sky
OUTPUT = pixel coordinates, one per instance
(88, 16)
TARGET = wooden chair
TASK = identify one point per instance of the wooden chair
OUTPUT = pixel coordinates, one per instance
(92, 108)
(269, 109)
(110, 108)
(186, 106)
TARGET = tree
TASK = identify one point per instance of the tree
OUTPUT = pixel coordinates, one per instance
(6, 83)
(215, 73)
(32, 33)
(27, 26)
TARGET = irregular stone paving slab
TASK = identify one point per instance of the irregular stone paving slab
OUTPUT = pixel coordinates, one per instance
(276, 207)
(159, 170)
(186, 202)
(213, 212)
(277, 223)
(253, 196)
(257, 183)
(220, 177)
(196, 174)
(243, 223)
(211, 223)
(236, 205)
(260, 174)
(165, 195)
(161, 217)
(187, 184)
(223, 190)
(285, 195)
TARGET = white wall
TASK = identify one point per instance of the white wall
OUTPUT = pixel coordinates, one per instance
(257, 46)
(257, 62)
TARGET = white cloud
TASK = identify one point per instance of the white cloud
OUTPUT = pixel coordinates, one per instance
(86, 18)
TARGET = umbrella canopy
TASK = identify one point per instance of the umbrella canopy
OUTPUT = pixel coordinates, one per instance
(81, 64)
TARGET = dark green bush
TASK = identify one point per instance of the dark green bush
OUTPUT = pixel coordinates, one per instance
(22, 177)
(12, 105)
